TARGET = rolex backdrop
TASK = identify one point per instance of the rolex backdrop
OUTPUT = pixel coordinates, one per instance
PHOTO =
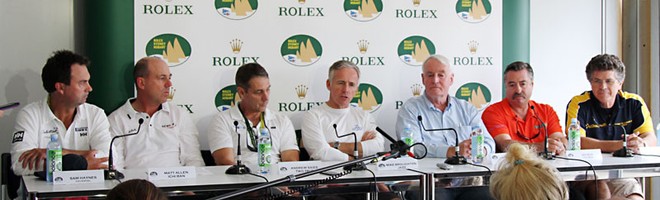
(204, 42)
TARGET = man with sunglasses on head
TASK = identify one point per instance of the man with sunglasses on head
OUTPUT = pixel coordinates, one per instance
(604, 113)
(251, 115)
(517, 118)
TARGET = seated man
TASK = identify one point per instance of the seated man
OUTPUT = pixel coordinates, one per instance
(440, 110)
(167, 137)
(318, 132)
(251, 114)
(604, 112)
(517, 118)
(83, 128)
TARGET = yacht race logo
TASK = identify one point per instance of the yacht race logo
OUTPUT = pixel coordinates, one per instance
(473, 11)
(368, 97)
(172, 48)
(363, 10)
(226, 98)
(475, 93)
(301, 50)
(415, 49)
(236, 9)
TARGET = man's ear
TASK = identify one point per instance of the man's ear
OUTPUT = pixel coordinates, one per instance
(240, 91)
(59, 87)
(139, 82)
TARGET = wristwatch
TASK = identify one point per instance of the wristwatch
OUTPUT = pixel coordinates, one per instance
(336, 145)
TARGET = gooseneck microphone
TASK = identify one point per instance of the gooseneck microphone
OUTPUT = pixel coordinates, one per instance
(624, 151)
(112, 173)
(458, 159)
(546, 154)
(397, 147)
(356, 154)
(238, 168)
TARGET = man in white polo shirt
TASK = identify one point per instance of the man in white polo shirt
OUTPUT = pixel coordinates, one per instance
(251, 115)
(82, 127)
(168, 137)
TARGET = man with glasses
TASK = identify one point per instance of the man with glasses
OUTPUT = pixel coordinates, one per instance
(517, 118)
(604, 113)
(251, 115)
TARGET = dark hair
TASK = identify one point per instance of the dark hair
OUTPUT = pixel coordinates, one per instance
(141, 68)
(519, 65)
(248, 71)
(136, 189)
(58, 68)
(606, 62)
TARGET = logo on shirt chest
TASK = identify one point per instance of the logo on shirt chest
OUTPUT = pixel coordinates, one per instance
(82, 131)
(18, 137)
(170, 125)
(357, 127)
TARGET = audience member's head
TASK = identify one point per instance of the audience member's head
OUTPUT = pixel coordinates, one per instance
(136, 189)
(523, 175)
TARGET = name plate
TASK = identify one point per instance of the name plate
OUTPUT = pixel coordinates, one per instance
(649, 150)
(404, 162)
(586, 154)
(288, 168)
(78, 177)
(171, 173)
(496, 158)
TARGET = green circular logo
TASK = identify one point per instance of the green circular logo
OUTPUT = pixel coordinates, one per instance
(473, 11)
(475, 93)
(236, 9)
(415, 49)
(363, 10)
(301, 50)
(173, 48)
(226, 98)
(368, 97)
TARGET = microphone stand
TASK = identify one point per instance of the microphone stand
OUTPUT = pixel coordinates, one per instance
(545, 154)
(624, 151)
(111, 173)
(457, 159)
(356, 154)
(398, 147)
(238, 168)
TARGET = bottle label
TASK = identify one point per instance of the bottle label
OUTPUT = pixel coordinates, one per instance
(573, 140)
(408, 140)
(478, 146)
(54, 162)
(264, 155)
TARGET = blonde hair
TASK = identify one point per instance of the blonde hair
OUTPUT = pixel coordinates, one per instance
(523, 175)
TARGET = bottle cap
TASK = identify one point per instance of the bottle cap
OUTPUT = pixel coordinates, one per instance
(574, 121)
(53, 137)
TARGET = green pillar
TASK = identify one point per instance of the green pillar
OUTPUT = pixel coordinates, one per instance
(515, 32)
(108, 43)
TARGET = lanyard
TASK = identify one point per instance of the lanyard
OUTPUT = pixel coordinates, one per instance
(250, 130)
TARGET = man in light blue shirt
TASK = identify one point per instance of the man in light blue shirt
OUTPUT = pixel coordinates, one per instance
(439, 110)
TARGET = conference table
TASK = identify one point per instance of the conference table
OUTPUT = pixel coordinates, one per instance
(213, 178)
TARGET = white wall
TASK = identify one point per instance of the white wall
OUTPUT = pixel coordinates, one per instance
(30, 30)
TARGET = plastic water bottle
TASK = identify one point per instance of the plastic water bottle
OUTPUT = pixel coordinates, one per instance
(264, 151)
(574, 135)
(478, 153)
(407, 137)
(53, 157)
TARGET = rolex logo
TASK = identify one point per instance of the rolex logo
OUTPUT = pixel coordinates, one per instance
(416, 2)
(301, 91)
(473, 46)
(301, 1)
(363, 45)
(416, 89)
(236, 45)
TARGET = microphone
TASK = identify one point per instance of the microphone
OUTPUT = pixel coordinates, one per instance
(546, 154)
(624, 151)
(397, 147)
(458, 159)
(238, 168)
(112, 173)
(357, 166)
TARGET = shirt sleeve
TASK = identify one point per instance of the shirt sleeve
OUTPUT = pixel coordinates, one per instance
(288, 140)
(553, 121)
(188, 134)
(375, 145)
(219, 133)
(314, 140)
(119, 150)
(25, 138)
(494, 122)
(643, 115)
(573, 111)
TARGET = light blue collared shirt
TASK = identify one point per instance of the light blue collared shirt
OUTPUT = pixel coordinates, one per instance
(459, 115)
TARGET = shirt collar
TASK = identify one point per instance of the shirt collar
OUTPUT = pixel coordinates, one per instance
(430, 106)
(46, 109)
(165, 107)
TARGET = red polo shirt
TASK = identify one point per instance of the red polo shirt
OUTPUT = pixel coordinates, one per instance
(499, 118)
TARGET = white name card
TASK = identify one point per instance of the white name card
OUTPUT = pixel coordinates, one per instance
(404, 162)
(78, 177)
(288, 168)
(496, 158)
(586, 154)
(170, 173)
(649, 150)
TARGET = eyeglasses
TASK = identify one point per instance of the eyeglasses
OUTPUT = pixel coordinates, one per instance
(609, 81)
(523, 136)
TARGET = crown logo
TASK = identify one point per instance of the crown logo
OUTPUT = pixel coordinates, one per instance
(363, 45)
(301, 1)
(416, 2)
(416, 89)
(473, 46)
(301, 91)
(236, 45)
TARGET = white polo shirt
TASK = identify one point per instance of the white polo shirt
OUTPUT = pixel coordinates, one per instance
(222, 133)
(166, 139)
(318, 132)
(36, 122)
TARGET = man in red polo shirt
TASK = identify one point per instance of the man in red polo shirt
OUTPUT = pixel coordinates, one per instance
(518, 119)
